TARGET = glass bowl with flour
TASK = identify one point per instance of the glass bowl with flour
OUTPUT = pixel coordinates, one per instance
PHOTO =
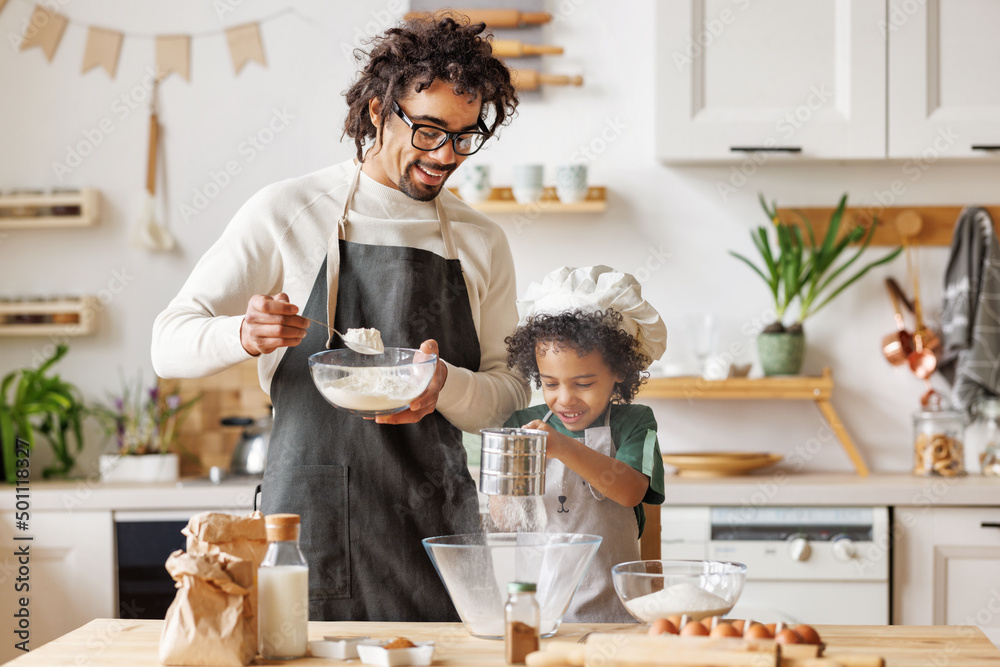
(372, 384)
(652, 589)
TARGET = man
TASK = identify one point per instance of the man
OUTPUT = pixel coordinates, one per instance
(376, 243)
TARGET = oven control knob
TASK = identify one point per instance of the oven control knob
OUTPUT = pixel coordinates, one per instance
(844, 548)
(799, 549)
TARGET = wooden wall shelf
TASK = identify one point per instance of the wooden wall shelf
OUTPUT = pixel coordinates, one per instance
(83, 309)
(938, 222)
(797, 387)
(87, 199)
(502, 201)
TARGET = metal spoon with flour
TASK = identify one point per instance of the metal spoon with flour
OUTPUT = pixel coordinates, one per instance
(355, 339)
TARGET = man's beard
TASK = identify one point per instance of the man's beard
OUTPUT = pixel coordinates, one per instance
(421, 191)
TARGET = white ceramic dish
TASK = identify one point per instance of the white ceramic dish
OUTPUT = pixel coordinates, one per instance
(375, 654)
(339, 648)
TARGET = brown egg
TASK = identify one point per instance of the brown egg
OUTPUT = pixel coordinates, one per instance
(738, 625)
(725, 630)
(707, 622)
(662, 626)
(788, 636)
(757, 631)
(772, 628)
(808, 634)
(676, 620)
(694, 629)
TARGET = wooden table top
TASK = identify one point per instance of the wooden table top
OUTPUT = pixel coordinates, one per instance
(132, 643)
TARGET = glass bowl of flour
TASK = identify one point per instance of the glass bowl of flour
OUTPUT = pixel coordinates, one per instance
(652, 589)
(372, 384)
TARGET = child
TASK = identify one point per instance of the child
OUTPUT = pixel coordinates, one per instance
(586, 336)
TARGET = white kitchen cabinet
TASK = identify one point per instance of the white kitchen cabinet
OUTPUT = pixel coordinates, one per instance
(944, 78)
(794, 80)
(70, 574)
(947, 567)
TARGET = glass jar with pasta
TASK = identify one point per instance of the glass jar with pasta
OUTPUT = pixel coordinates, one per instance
(937, 446)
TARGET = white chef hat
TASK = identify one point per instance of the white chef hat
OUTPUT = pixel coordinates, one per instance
(594, 288)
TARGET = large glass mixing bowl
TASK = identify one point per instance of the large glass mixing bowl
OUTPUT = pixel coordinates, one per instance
(477, 567)
(372, 384)
(652, 589)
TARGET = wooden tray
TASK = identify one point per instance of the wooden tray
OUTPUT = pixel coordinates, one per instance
(719, 464)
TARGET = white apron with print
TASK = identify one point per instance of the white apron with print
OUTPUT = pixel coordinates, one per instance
(573, 506)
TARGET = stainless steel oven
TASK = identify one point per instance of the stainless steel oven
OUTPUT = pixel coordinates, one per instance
(825, 565)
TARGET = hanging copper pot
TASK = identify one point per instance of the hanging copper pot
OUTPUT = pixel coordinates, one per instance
(897, 346)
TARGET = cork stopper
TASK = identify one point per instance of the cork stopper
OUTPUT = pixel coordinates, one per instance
(281, 527)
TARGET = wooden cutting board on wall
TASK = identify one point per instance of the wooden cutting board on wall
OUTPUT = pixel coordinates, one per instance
(234, 392)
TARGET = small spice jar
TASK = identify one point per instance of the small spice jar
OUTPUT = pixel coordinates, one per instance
(61, 316)
(28, 315)
(26, 210)
(937, 446)
(522, 620)
(65, 209)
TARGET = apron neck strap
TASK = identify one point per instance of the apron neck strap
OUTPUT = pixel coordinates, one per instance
(607, 416)
(449, 239)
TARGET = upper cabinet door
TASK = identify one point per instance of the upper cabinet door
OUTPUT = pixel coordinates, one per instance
(797, 79)
(944, 78)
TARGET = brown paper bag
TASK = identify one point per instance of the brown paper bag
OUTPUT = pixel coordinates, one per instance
(244, 537)
(205, 623)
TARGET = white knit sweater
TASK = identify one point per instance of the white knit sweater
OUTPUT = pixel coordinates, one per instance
(277, 243)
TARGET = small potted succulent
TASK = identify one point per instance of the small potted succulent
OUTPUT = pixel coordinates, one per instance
(144, 425)
(800, 269)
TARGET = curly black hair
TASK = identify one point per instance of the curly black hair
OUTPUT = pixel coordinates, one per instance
(411, 57)
(584, 332)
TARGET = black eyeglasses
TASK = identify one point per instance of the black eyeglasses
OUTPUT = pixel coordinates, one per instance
(430, 138)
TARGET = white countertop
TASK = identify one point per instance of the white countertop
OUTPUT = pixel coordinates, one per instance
(775, 488)
(811, 489)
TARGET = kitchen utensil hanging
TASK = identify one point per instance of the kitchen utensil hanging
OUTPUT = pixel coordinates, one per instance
(897, 346)
(148, 233)
(922, 359)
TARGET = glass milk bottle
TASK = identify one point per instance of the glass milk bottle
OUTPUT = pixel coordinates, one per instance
(283, 591)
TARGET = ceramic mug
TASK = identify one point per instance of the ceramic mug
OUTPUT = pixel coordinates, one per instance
(571, 183)
(528, 186)
(474, 186)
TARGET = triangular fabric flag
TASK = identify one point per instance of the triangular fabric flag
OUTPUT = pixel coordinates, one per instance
(45, 30)
(245, 45)
(103, 47)
(2, 4)
(173, 54)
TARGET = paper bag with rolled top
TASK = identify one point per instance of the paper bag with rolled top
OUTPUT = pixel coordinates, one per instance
(205, 623)
(240, 536)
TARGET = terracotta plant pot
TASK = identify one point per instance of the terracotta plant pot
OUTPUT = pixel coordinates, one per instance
(781, 353)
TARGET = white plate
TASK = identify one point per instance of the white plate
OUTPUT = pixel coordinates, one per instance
(374, 654)
(340, 648)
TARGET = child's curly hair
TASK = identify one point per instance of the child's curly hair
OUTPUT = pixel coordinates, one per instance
(584, 332)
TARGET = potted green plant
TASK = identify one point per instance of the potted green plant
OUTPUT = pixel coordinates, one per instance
(144, 425)
(806, 272)
(34, 402)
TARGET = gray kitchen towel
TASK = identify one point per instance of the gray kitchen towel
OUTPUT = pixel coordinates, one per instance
(970, 321)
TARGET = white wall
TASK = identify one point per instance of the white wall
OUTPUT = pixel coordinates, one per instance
(653, 209)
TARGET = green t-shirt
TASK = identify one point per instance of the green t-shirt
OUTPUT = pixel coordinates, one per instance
(633, 429)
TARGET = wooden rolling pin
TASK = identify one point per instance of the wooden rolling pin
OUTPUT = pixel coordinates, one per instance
(530, 79)
(495, 18)
(511, 48)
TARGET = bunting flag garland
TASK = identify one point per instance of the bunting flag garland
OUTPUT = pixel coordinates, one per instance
(245, 45)
(45, 30)
(103, 47)
(173, 52)
(2, 3)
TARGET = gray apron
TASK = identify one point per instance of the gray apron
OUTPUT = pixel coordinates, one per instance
(368, 493)
(573, 506)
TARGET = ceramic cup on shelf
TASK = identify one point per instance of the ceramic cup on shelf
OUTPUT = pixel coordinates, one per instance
(528, 186)
(474, 186)
(571, 183)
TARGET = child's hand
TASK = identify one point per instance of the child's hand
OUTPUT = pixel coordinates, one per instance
(555, 442)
